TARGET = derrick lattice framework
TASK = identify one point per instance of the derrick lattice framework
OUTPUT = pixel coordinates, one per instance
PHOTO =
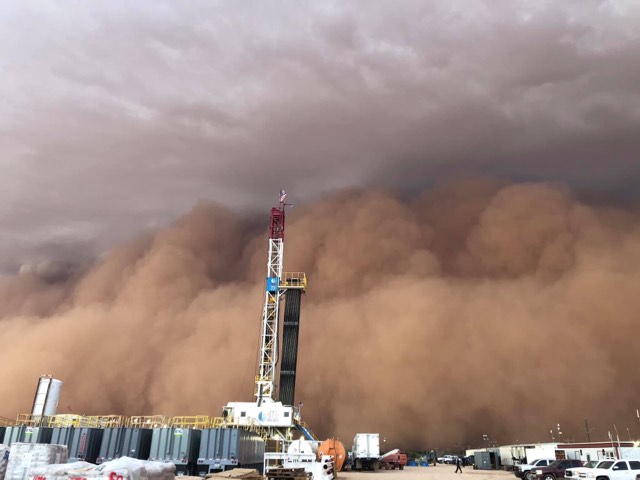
(265, 380)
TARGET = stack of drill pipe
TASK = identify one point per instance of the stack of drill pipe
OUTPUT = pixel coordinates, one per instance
(290, 332)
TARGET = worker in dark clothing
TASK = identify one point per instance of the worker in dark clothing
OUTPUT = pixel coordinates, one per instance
(458, 465)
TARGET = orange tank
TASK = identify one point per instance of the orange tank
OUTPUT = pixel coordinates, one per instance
(335, 448)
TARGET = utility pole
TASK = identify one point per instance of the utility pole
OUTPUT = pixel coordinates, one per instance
(586, 427)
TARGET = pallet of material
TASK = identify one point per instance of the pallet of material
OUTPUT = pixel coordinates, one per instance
(237, 473)
(287, 473)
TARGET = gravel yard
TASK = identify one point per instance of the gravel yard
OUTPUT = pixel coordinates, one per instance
(441, 472)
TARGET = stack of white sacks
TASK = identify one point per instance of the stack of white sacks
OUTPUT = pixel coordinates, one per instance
(27, 461)
(24, 456)
(4, 457)
(123, 468)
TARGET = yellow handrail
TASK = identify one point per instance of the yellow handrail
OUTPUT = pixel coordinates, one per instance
(296, 280)
(195, 421)
(6, 422)
(64, 420)
(151, 421)
(29, 420)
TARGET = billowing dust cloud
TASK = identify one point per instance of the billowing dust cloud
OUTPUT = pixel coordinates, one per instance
(477, 308)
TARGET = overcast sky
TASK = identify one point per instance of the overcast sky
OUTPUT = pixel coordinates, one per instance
(117, 116)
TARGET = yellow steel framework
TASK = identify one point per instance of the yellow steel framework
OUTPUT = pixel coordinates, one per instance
(294, 280)
(70, 420)
(196, 421)
(6, 422)
(30, 420)
(151, 421)
(64, 420)
(102, 421)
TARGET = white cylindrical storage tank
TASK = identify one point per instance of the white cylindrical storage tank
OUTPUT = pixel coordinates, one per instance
(302, 446)
(47, 396)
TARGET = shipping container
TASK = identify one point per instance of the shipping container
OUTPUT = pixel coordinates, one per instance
(125, 442)
(24, 434)
(179, 446)
(487, 460)
(227, 448)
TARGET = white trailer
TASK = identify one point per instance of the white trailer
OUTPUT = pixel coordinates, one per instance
(365, 452)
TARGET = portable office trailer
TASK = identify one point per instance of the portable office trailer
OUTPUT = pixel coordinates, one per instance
(226, 448)
(125, 442)
(179, 446)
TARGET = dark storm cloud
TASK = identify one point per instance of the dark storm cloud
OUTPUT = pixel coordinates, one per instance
(118, 117)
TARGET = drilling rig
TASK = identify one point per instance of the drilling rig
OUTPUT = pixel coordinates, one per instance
(276, 417)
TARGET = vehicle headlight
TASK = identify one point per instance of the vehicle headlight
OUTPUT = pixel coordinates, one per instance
(590, 475)
(539, 472)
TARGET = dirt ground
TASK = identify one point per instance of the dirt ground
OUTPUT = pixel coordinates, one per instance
(441, 472)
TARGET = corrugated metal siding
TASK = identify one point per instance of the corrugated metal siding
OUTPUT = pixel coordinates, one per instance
(225, 448)
(136, 443)
(85, 444)
(24, 434)
(109, 447)
(179, 446)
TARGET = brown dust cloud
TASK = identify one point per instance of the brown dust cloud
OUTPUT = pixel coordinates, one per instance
(475, 308)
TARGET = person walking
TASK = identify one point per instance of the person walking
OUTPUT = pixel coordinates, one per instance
(458, 465)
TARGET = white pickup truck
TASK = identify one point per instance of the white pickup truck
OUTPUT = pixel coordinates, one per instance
(447, 459)
(528, 471)
(612, 470)
(574, 473)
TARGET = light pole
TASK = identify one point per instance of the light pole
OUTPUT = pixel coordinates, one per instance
(384, 443)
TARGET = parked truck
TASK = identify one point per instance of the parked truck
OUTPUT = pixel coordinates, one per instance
(393, 459)
(366, 451)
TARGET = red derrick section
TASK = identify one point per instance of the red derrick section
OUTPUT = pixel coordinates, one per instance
(276, 224)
